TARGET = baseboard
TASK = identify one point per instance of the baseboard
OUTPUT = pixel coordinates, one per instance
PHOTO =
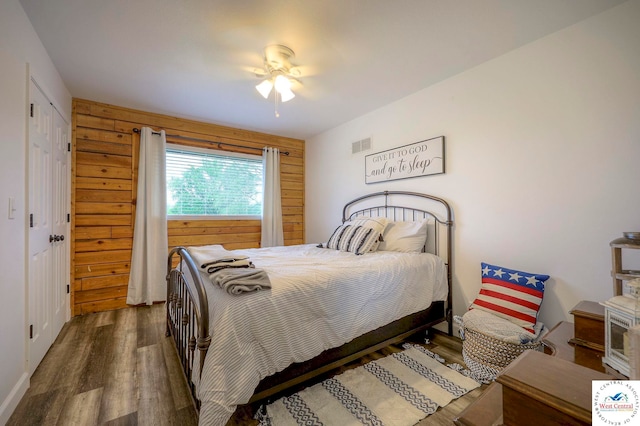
(11, 402)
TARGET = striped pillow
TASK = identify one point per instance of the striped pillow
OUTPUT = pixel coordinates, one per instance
(378, 224)
(353, 238)
(511, 294)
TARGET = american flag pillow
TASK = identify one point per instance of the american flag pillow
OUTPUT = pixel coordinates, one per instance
(511, 294)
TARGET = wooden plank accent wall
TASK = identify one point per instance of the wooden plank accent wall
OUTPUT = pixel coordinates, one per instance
(104, 180)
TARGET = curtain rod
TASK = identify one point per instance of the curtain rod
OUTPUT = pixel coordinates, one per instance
(136, 130)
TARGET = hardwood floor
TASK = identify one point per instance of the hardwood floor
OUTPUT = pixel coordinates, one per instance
(117, 368)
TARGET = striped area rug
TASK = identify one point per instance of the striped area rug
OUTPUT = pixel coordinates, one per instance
(398, 390)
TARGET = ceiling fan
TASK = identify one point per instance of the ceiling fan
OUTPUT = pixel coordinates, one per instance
(278, 73)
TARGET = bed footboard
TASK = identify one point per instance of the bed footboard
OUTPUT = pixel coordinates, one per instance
(187, 313)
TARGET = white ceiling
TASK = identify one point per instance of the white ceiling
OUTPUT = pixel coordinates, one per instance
(194, 58)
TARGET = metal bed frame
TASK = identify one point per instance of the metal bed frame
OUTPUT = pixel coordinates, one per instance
(188, 309)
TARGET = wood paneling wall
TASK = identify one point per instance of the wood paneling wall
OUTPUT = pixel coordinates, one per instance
(104, 179)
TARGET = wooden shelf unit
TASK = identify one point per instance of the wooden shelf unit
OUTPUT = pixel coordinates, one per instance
(618, 273)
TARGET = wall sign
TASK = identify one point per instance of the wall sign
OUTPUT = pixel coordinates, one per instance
(417, 159)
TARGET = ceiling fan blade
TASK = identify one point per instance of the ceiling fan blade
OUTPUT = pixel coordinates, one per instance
(260, 73)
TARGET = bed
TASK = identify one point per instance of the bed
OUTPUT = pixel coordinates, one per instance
(325, 305)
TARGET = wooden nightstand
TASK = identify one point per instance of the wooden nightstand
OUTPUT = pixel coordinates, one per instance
(588, 318)
(558, 343)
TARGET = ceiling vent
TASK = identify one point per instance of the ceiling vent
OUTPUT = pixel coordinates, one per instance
(361, 145)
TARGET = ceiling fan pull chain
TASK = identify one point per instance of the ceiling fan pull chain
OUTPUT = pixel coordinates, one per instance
(275, 101)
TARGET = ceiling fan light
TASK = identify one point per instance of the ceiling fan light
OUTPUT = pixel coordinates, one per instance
(265, 88)
(282, 84)
(279, 74)
(286, 95)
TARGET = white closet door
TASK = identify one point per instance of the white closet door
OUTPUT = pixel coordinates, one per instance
(60, 246)
(49, 187)
(40, 227)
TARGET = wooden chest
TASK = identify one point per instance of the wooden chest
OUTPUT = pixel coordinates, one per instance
(539, 389)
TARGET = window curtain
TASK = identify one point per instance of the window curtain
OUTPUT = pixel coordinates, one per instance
(147, 280)
(272, 234)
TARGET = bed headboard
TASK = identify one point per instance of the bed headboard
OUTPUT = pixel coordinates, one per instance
(411, 206)
(408, 206)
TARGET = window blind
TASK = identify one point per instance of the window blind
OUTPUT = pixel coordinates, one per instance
(201, 183)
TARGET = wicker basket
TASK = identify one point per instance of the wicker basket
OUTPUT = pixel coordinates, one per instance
(487, 356)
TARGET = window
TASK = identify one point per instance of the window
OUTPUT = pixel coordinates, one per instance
(203, 184)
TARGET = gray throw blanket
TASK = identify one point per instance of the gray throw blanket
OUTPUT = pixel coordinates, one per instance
(232, 272)
(219, 264)
(241, 280)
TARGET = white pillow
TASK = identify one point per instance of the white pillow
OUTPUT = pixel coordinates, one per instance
(406, 237)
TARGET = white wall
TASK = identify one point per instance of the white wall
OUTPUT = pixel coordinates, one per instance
(542, 159)
(20, 50)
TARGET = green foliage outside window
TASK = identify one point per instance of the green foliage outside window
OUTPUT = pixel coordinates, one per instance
(212, 185)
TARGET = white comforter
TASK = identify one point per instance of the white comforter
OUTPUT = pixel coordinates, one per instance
(319, 299)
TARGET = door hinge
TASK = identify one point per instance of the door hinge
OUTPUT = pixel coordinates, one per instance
(31, 110)
(31, 331)
(69, 146)
(31, 220)
(68, 289)
(68, 218)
